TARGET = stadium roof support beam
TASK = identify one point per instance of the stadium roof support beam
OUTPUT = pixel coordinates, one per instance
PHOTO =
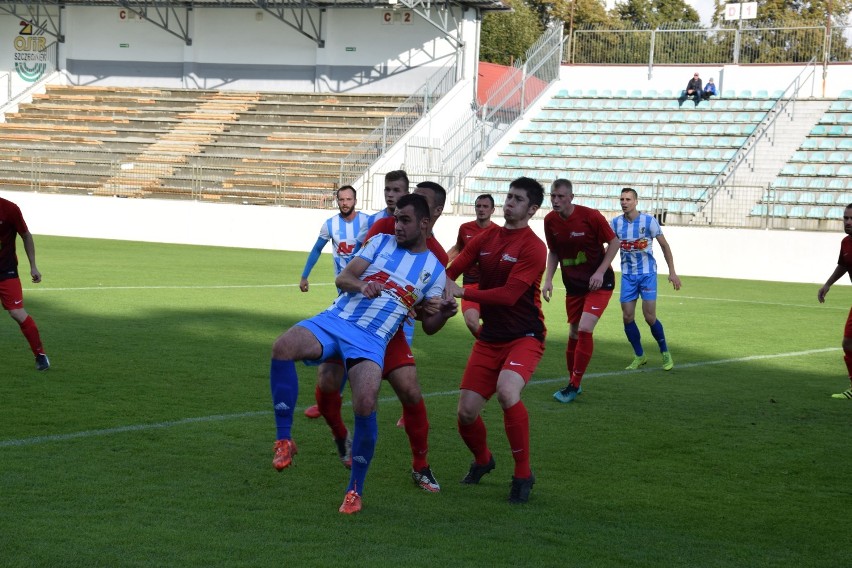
(38, 14)
(443, 15)
(303, 16)
(164, 15)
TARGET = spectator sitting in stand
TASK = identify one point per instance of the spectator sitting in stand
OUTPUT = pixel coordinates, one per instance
(692, 91)
(709, 90)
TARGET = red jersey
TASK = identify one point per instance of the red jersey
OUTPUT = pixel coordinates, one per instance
(845, 258)
(11, 225)
(387, 226)
(578, 242)
(511, 264)
(466, 232)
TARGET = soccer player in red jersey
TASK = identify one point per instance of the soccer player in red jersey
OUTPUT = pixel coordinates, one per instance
(511, 343)
(12, 224)
(484, 206)
(583, 243)
(399, 365)
(844, 265)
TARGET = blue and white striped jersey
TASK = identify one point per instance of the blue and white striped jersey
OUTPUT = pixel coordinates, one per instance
(407, 278)
(378, 215)
(345, 236)
(637, 239)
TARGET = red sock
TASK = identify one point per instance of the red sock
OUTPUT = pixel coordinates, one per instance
(475, 437)
(329, 404)
(569, 353)
(517, 423)
(582, 356)
(30, 331)
(847, 358)
(417, 429)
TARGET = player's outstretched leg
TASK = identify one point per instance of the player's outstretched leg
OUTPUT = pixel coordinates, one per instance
(660, 336)
(284, 384)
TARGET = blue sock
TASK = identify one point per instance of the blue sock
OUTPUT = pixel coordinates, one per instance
(284, 384)
(634, 337)
(363, 446)
(659, 335)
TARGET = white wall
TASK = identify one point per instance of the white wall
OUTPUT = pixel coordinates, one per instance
(248, 49)
(785, 256)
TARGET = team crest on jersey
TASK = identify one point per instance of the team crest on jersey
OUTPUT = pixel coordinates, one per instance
(642, 230)
(425, 276)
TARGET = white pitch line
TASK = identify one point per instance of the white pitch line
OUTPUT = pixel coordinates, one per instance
(222, 417)
(815, 305)
(215, 287)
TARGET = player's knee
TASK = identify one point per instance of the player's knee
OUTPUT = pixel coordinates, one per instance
(466, 414)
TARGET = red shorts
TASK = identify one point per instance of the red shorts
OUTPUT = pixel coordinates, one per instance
(847, 331)
(468, 304)
(11, 294)
(488, 359)
(591, 302)
(398, 353)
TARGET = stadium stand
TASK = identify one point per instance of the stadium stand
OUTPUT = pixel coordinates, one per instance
(609, 141)
(819, 173)
(224, 145)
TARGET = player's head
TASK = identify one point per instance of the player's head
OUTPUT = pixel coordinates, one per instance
(562, 196)
(396, 185)
(347, 198)
(629, 200)
(523, 199)
(484, 207)
(847, 219)
(435, 195)
(412, 219)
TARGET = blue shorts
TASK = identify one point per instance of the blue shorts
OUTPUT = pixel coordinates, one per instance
(344, 340)
(635, 285)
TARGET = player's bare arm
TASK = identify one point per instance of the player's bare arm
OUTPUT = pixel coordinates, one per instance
(667, 254)
(835, 276)
(612, 247)
(349, 279)
(547, 283)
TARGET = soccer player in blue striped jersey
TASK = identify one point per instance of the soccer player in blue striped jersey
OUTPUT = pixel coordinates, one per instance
(387, 278)
(637, 231)
(346, 231)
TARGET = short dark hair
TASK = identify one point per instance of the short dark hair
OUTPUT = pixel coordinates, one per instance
(533, 189)
(397, 175)
(437, 189)
(344, 187)
(562, 182)
(487, 196)
(630, 190)
(418, 202)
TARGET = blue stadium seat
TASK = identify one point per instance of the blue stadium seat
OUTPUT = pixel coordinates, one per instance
(825, 171)
(847, 94)
(778, 211)
(759, 210)
(807, 170)
(797, 212)
(826, 198)
(807, 198)
(787, 197)
(845, 171)
(845, 144)
(817, 183)
(816, 212)
(834, 213)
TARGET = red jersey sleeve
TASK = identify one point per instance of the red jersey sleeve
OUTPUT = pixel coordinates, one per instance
(465, 259)
(385, 225)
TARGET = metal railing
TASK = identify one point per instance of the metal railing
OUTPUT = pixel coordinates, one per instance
(465, 142)
(765, 130)
(15, 90)
(754, 43)
(398, 122)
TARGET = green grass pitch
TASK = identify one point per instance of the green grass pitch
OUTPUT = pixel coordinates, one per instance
(149, 441)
